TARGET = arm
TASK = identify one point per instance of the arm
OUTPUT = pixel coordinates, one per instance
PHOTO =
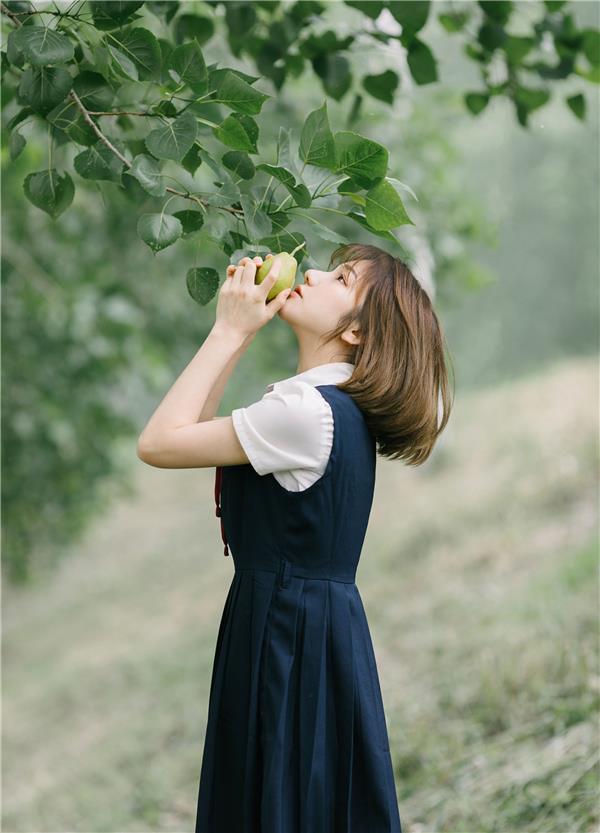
(175, 436)
(214, 398)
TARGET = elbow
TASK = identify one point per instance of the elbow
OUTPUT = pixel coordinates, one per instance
(145, 451)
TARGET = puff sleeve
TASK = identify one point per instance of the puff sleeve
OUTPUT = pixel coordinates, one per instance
(290, 428)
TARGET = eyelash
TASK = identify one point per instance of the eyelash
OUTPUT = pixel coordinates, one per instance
(342, 277)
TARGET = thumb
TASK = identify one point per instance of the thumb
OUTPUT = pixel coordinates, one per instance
(279, 300)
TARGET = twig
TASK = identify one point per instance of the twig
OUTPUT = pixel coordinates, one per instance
(121, 113)
(119, 155)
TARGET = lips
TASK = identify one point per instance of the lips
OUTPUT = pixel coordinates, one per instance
(298, 290)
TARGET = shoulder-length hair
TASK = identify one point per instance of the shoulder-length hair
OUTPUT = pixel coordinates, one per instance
(400, 381)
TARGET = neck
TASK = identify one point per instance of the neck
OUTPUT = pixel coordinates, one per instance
(311, 355)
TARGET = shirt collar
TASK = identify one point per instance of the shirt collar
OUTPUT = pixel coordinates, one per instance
(329, 373)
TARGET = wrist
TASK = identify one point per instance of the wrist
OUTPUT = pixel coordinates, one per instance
(231, 335)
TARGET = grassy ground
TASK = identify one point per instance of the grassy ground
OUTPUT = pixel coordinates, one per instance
(479, 576)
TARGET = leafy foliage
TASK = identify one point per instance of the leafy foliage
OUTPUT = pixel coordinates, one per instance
(73, 71)
(123, 99)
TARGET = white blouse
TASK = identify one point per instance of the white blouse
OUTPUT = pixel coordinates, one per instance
(289, 431)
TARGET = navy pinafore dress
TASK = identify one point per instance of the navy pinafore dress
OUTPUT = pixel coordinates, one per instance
(296, 738)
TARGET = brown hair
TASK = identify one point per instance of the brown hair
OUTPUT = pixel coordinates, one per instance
(400, 374)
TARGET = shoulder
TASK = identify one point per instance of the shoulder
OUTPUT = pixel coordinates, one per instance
(290, 427)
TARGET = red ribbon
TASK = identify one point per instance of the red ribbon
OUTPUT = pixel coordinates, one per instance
(218, 480)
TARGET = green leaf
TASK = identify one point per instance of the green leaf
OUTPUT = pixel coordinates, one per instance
(316, 140)
(93, 90)
(14, 47)
(491, 35)
(174, 139)
(147, 170)
(324, 232)
(577, 105)
(235, 93)
(283, 241)
(453, 21)
(591, 45)
(531, 99)
(476, 102)
(133, 190)
(258, 223)
(372, 8)
(421, 62)
(239, 132)
(411, 15)
(517, 47)
(348, 187)
(223, 196)
(382, 86)
(592, 75)
(384, 209)
(159, 230)
(397, 184)
(49, 190)
(497, 10)
(280, 220)
(114, 14)
(240, 163)
(44, 87)
(16, 144)
(298, 190)
(42, 46)
(141, 47)
(334, 71)
(219, 170)
(215, 76)
(122, 64)
(240, 18)
(191, 221)
(362, 159)
(68, 117)
(325, 43)
(192, 161)
(19, 116)
(194, 26)
(362, 221)
(202, 283)
(99, 162)
(188, 62)
(554, 5)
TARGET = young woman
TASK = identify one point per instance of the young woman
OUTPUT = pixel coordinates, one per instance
(296, 738)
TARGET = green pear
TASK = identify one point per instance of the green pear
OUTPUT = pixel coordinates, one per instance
(287, 272)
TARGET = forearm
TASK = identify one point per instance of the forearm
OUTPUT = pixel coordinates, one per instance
(214, 398)
(188, 397)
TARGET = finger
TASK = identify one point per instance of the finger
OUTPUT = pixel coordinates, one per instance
(272, 276)
(278, 301)
(236, 278)
(249, 272)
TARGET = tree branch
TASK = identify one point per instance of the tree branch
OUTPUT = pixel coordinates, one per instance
(119, 155)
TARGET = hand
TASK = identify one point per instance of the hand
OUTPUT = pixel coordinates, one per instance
(241, 304)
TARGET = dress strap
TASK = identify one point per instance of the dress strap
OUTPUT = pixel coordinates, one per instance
(218, 481)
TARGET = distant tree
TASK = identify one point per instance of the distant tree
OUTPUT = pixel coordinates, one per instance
(118, 97)
(86, 74)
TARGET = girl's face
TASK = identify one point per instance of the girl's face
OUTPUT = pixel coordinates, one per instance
(326, 296)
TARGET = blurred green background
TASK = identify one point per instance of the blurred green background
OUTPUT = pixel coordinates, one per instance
(479, 572)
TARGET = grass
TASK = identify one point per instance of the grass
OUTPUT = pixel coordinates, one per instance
(479, 576)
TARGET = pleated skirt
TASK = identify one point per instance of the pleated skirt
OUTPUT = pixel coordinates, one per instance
(296, 738)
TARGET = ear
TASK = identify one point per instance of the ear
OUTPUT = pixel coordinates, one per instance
(352, 336)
